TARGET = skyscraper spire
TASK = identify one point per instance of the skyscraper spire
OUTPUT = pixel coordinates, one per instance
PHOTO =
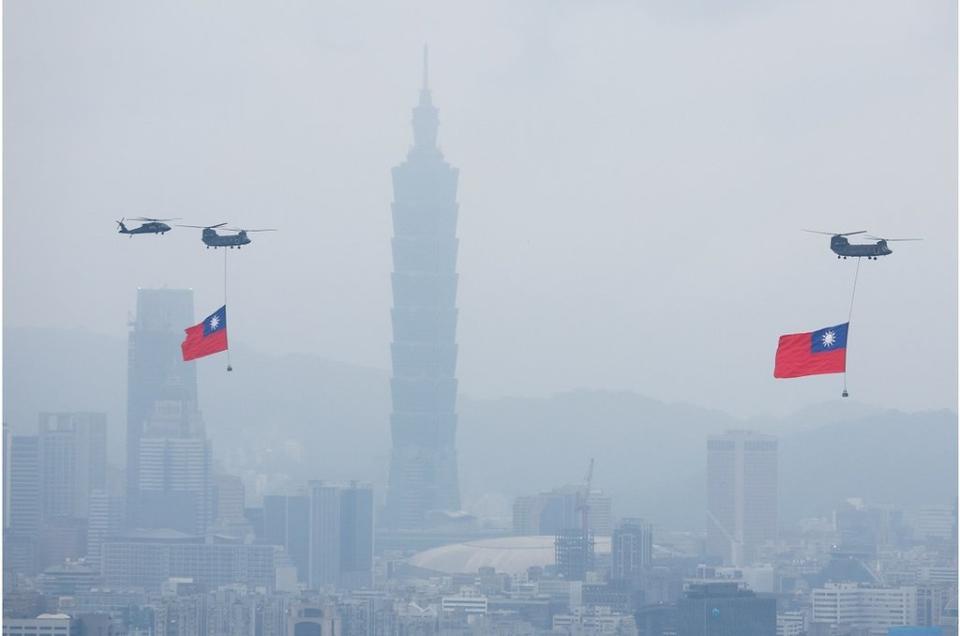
(425, 121)
(426, 68)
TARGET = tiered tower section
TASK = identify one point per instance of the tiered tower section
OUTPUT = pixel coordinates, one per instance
(423, 467)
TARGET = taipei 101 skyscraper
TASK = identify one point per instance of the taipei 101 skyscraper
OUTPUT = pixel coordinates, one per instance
(423, 464)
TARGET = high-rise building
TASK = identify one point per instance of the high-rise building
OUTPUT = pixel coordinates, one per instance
(175, 488)
(341, 535)
(73, 461)
(25, 490)
(229, 499)
(20, 543)
(7, 439)
(574, 553)
(423, 463)
(105, 518)
(156, 371)
(724, 609)
(286, 522)
(600, 517)
(169, 481)
(547, 513)
(867, 607)
(631, 549)
(741, 495)
(936, 523)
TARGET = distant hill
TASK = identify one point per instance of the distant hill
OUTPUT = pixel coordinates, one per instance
(908, 459)
(651, 456)
(300, 416)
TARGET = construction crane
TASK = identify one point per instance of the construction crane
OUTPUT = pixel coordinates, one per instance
(582, 496)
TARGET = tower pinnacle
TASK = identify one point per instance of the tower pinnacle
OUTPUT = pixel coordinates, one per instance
(425, 120)
(426, 68)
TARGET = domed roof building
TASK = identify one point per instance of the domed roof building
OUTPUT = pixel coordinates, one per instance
(510, 555)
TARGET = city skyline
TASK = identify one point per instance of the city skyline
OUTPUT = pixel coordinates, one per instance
(583, 257)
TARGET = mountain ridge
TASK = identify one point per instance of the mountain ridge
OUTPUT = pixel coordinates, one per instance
(293, 417)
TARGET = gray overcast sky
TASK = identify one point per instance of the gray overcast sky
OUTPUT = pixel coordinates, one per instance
(633, 179)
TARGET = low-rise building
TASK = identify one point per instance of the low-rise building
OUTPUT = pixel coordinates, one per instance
(866, 607)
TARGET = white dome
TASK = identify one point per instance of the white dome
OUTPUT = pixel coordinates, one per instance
(511, 555)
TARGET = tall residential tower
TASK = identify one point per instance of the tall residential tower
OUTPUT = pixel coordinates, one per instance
(423, 465)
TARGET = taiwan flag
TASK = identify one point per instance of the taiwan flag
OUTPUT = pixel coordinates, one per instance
(812, 353)
(209, 337)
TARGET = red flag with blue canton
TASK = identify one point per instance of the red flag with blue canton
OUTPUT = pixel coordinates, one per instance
(206, 338)
(812, 353)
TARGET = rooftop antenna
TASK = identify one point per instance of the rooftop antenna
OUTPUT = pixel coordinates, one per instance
(426, 68)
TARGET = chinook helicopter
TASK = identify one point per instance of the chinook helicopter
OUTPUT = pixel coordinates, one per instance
(844, 248)
(149, 226)
(211, 238)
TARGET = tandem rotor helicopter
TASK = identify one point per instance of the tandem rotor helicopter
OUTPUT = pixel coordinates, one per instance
(211, 238)
(844, 248)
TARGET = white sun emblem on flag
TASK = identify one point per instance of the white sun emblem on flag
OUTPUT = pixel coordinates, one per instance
(828, 339)
(214, 323)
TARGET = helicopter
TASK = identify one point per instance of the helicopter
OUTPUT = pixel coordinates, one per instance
(214, 240)
(843, 248)
(149, 226)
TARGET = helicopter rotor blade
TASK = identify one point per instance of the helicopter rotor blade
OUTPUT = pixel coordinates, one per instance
(880, 238)
(148, 219)
(835, 233)
(237, 229)
(204, 227)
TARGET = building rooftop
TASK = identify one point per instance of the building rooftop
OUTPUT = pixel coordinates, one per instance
(510, 555)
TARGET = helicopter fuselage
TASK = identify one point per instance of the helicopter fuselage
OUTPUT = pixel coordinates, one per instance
(843, 248)
(214, 240)
(153, 227)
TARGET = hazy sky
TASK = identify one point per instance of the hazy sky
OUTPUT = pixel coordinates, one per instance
(633, 179)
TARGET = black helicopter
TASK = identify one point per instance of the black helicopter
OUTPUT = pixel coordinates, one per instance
(214, 240)
(149, 226)
(844, 248)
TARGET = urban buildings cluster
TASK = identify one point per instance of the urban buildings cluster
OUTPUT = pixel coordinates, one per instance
(173, 546)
